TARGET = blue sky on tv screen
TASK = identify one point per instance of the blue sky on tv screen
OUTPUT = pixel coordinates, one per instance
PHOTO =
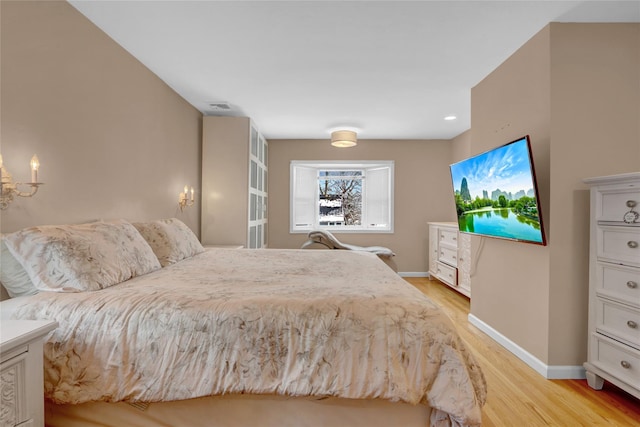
(506, 168)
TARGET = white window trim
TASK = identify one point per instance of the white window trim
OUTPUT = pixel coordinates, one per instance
(339, 165)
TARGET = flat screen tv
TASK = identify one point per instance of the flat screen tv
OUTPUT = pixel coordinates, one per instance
(496, 194)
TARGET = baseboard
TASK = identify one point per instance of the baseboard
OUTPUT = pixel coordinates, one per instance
(413, 274)
(555, 372)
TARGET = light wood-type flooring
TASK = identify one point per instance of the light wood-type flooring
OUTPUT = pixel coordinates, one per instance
(520, 397)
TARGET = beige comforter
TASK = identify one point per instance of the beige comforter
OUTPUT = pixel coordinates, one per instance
(292, 322)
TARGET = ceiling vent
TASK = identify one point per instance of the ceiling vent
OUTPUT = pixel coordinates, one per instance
(219, 106)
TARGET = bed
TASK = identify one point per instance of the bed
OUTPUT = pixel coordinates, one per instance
(155, 330)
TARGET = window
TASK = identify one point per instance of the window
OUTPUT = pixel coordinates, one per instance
(341, 196)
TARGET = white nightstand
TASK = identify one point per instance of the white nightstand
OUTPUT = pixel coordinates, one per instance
(21, 371)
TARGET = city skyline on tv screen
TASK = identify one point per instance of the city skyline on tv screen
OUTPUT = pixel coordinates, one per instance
(505, 168)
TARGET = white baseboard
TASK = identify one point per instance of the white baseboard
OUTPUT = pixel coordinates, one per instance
(413, 274)
(558, 372)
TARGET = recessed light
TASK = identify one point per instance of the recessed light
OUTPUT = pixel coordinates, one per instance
(450, 118)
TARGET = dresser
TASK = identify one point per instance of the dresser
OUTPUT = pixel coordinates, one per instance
(21, 371)
(450, 256)
(234, 183)
(614, 283)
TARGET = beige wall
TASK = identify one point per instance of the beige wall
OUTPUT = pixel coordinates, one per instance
(112, 138)
(595, 130)
(422, 192)
(461, 147)
(510, 285)
(575, 89)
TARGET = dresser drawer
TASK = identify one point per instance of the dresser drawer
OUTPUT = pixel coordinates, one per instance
(448, 256)
(614, 204)
(619, 360)
(448, 237)
(619, 244)
(618, 321)
(618, 282)
(447, 274)
(13, 374)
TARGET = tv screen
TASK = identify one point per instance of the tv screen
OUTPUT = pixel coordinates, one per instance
(496, 194)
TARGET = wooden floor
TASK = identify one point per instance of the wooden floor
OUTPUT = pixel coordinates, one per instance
(518, 395)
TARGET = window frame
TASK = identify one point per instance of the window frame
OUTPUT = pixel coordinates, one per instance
(366, 166)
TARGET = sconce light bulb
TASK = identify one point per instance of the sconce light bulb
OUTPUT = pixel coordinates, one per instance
(35, 163)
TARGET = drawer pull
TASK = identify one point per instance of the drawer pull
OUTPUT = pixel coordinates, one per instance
(632, 324)
(632, 244)
(625, 364)
(631, 203)
(631, 284)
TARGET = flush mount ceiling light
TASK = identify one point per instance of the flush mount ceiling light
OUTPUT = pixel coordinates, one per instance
(344, 138)
(450, 118)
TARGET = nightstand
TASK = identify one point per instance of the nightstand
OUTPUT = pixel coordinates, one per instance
(22, 372)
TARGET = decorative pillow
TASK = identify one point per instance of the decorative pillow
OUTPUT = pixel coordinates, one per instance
(83, 257)
(170, 239)
(12, 276)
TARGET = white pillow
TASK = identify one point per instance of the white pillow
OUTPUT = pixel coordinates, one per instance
(83, 257)
(12, 276)
(170, 239)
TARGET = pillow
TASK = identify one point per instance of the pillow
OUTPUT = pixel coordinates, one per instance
(12, 276)
(170, 239)
(83, 257)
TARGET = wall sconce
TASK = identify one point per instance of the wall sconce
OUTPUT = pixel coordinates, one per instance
(344, 138)
(183, 199)
(9, 189)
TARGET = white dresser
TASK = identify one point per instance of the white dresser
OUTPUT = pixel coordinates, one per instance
(450, 256)
(614, 283)
(22, 372)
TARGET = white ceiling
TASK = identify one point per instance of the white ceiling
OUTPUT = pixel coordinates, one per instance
(388, 69)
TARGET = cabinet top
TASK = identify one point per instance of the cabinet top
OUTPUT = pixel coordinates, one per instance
(14, 333)
(613, 179)
(444, 224)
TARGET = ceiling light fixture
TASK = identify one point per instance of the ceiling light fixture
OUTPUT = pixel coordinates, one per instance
(344, 138)
(450, 118)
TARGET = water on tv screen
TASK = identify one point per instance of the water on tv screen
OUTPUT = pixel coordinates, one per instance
(496, 194)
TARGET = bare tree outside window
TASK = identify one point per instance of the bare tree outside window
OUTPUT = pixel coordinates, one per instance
(340, 197)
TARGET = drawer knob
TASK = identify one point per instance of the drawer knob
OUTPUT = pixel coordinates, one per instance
(632, 244)
(631, 284)
(631, 203)
(625, 364)
(632, 324)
